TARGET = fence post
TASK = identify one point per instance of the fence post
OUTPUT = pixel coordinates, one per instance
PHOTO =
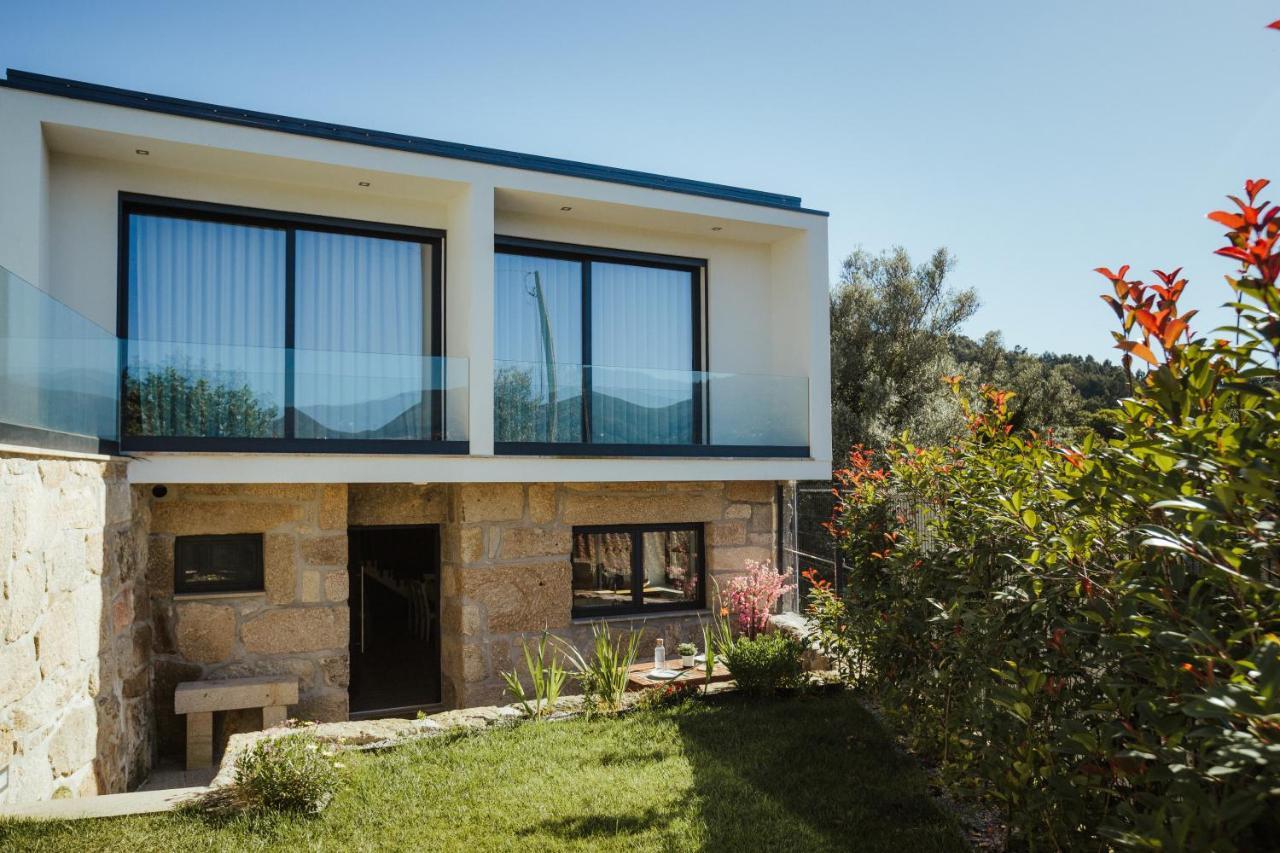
(785, 495)
(838, 560)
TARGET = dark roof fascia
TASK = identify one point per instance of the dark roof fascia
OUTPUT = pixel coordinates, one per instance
(43, 84)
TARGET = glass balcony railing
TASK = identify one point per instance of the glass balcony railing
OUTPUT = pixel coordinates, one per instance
(63, 375)
(245, 397)
(571, 408)
(59, 371)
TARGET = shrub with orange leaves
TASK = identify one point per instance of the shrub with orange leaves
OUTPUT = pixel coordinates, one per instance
(1090, 634)
(1152, 310)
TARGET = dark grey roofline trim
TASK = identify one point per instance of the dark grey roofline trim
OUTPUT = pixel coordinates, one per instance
(29, 82)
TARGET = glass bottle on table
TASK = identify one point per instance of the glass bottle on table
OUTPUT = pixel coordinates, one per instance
(659, 655)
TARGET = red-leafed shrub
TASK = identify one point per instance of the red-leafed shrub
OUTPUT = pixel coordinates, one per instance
(1090, 634)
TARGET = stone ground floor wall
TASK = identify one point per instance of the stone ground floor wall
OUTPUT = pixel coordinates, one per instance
(75, 635)
(297, 626)
(95, 639)
(506, 572)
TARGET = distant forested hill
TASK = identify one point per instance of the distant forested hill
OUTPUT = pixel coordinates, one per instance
(1060, 391)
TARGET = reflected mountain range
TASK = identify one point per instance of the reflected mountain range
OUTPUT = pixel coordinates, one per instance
(171, 402)
(614, 420)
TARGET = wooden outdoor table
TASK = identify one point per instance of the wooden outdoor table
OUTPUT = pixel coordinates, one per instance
(636, 679)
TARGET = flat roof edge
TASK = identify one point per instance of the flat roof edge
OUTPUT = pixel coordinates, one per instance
(44, 84)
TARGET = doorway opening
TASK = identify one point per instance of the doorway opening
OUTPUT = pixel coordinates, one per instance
(395, 619)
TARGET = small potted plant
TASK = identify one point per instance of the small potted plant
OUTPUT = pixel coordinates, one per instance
(688, 651)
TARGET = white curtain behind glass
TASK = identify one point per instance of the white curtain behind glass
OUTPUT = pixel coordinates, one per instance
(206, 327)
(362, 329)
(641, 354)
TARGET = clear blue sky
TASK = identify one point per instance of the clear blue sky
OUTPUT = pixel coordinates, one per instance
(1036, 140)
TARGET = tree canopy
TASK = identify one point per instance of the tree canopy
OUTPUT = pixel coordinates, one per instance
(895, 332)
(891, 324)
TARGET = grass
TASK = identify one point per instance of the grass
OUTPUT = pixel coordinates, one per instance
(723, 775)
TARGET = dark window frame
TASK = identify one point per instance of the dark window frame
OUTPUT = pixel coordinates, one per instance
(585, 256)
(290, 223)
(182, 543)
(637, 605)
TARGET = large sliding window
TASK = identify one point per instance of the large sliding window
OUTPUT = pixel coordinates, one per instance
(362, 322)
(538, 349)
(206, 328)
(255, 330)
(597, 349)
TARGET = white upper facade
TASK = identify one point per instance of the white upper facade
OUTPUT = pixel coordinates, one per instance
(70, 165)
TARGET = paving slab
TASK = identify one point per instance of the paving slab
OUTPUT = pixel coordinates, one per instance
(104, 805)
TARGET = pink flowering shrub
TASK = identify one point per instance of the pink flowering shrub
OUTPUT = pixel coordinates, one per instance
(751, 597)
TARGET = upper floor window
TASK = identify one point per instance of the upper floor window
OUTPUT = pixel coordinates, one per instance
(596, 347)
(242, 326)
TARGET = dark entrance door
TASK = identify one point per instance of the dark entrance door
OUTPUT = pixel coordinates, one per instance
(395, 619)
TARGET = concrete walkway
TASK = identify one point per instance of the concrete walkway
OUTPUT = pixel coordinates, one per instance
(105, 805)
(168, 787)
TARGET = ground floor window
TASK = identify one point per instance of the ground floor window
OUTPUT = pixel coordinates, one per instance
(205, 564)
(637, 568)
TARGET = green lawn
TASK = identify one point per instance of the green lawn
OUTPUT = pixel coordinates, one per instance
(799, 774)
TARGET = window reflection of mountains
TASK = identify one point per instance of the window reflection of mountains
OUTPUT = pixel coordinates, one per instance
(614, 420)
(161, 403)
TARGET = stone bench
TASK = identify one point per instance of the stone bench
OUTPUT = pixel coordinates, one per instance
(199, 699)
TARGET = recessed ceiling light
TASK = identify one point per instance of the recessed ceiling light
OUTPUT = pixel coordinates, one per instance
(144, 152)
(365, 184)
(716, 228)
(566, 208)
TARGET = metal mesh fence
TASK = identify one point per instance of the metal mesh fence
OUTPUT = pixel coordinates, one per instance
(807, 544)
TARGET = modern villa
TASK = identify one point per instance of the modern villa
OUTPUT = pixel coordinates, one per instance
(364, 410)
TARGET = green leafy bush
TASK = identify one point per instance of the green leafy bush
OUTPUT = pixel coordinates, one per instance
(764, 663)
(294, 773)
(1091, 634)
